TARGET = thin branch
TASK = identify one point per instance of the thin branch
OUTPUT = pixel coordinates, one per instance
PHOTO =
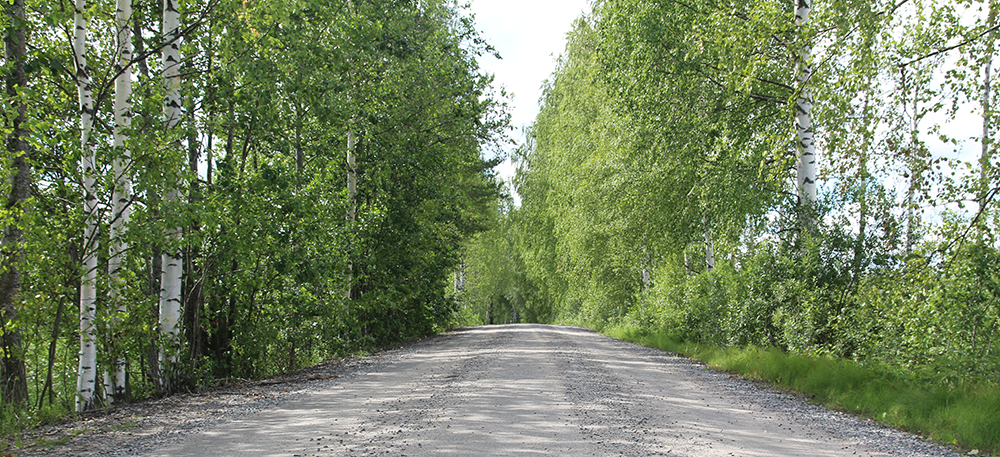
(767, 98)
(896, 7)
(960, 241)
(105, 88)
(950, 48)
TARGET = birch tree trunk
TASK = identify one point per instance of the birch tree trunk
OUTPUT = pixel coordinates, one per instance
(352, 191)
(193, 272)
(15, 379)
(986, 156)
(121, 195)
(300, 159)
(86, 379)
(709, 250)
(646, 272)
(913, 167)
(173, 264)
(806, 176)
(461, 277)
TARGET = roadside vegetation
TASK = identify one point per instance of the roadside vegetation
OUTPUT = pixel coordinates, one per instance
(967, 415)
(805, 192)
(201, 191)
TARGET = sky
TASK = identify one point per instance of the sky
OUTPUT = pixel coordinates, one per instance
(529, 35)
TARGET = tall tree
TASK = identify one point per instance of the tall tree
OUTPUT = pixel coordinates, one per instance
(15, 380)
(352, 202)
(804, 131)
(173, 263)
(121, 196)
(986, 154)
(87, 374)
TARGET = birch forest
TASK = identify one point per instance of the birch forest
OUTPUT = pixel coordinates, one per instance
(817, 177)
(200, 191)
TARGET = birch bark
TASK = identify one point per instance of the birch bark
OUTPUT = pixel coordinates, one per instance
(986, 156)
(913, 167)
(170, 282)
(646, 272)
(352, 191)
(87, 370)
(121, 195)
(709, 250)
(805, 134)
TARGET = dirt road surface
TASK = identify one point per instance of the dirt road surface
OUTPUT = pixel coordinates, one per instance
(544, 390)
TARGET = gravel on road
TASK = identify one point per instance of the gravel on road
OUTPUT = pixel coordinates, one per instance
(496, 390)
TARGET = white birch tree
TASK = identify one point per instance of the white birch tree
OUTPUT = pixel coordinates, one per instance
(173, 268)
(87, 373)
(709, 250)
(805, 134)
(986, 155)
(122, 193)
(352, 191)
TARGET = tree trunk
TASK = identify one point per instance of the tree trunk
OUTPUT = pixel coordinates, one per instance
(48, 387)
(806, 170)
(352, 196)
(87, 375)
(15, 379)
(709, 250)
(860, 260)
(915, 170)
(194, 300)
(859, 244)
(986, 156)
(173, 268)
(299, 153)
(210, 103)
(646, 273)
(122, 193)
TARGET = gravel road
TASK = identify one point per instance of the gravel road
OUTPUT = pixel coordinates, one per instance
(528, 389)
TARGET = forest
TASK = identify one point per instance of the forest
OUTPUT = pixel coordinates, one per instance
(203, 191)
(818, 178)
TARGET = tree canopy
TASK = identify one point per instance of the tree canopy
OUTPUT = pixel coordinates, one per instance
(238, 179)
(663, 183)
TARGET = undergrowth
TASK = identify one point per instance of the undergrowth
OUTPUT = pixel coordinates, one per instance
(967, 416)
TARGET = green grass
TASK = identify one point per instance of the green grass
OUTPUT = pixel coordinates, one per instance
(14, 421)
(965, 416)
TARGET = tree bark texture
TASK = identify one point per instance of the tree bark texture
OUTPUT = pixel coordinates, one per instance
(986, 156)
(15, 383)
(122, 193)
(173, 264)
(805, 134)
(352, 195)
(86, 379)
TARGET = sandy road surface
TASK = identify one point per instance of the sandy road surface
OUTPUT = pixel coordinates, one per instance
(531, 389)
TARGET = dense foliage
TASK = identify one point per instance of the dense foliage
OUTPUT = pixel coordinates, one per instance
(276, 275)
(658, 186)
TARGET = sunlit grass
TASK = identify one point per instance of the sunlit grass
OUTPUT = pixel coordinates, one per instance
(968, 416)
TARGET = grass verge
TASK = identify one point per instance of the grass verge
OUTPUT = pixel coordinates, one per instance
(968, 417)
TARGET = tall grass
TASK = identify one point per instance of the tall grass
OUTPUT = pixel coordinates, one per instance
(967, 416)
